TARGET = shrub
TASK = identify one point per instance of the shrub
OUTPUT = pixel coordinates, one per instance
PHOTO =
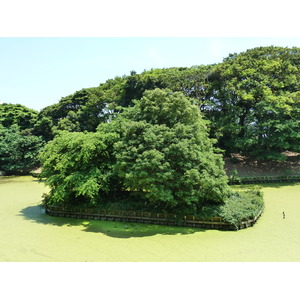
(242, 206)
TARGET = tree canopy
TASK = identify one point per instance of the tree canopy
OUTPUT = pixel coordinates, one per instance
(250, 100)
(19, 150)
(165, 150)
(250, 104)
(253, 107)
(78, 167)
(17, 114)
(159, 147)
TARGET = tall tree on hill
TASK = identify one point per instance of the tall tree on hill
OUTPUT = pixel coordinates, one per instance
(251, 99)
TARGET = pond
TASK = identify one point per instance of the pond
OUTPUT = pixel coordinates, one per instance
(28, 234)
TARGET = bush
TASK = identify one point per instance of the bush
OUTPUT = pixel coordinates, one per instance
(242, 206)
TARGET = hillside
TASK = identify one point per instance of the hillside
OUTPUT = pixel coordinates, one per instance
(247, 166)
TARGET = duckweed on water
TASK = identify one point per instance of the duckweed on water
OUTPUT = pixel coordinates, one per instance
(28, 234)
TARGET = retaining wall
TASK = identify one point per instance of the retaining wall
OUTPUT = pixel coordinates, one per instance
(264, 179)
(147, 217)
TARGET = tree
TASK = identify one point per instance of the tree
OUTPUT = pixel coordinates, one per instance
(18, 150)
(192, 82)
(165, 152)
(86, 109)
(17, 114)
(159, 147)
(250, 97)
(249, 100)
(82, 111)
(78, 167)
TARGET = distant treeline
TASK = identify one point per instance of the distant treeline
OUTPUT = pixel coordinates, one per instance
(250, 102)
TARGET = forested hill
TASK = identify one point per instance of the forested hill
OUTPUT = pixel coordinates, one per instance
(251, 101)
(87, 108)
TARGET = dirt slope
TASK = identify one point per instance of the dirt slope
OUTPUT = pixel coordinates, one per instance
(250, 167)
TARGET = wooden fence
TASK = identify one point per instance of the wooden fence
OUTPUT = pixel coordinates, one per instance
(147, 217)
(265, 179)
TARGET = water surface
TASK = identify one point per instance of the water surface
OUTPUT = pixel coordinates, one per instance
(27, 234)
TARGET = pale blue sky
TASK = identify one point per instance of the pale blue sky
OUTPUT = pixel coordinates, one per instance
(37, 72)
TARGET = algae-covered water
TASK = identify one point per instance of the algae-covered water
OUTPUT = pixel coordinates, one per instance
(27, 234)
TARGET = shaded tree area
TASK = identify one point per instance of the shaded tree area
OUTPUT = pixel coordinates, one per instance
(19, 147)
(82, 111)
(19, 150)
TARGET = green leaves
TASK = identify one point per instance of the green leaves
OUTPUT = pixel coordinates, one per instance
(16, 114)
(242, 206)
(18, 150)
(153, 130)
(165, 152)
(159, 147)
(250, 98)
(78, 166)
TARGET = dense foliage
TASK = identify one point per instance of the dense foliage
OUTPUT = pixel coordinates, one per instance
(165, 150)
(16, 114)
(251, 101)
(254, 102)
(82, 111)
(19, 147)
(159, 147)
(241, 206)
(19, 150)
(78, 167)
(87, 108)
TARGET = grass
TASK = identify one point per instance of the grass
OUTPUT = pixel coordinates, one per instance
(27, 234)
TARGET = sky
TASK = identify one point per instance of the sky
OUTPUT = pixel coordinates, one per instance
(39, 71)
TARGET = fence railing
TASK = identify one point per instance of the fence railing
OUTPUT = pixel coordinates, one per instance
(264, 179)
(147, 217)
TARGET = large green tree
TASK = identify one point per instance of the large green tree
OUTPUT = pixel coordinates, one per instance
(17, 114)
(78, 167)
(166, 153)
(159, 147)
(252, 106)
(19, 150)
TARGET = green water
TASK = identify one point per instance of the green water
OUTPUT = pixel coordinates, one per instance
(27, 234)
